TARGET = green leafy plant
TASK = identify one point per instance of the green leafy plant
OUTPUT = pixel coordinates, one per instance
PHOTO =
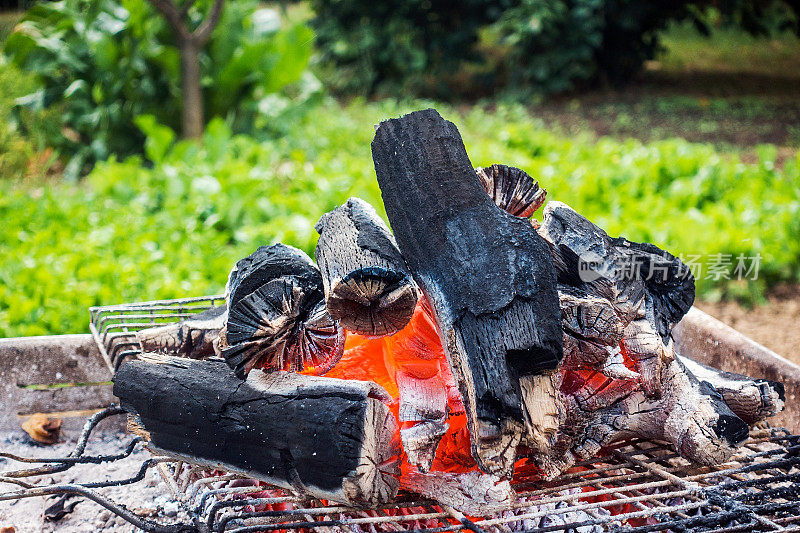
(552, 43)
(173, 227)
(104, 62)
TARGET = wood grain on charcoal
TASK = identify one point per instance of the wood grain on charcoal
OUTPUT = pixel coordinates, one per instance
(751, 399)
(277, 319)
(619, 301)
(633, 276)
(512, 189)
(473, 493)
(368, 288)
(323, 437)
(487, 274)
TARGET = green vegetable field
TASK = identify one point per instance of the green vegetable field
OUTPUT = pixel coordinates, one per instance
(137, 231)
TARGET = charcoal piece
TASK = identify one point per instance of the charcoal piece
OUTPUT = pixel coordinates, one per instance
(753, 400)
(368, 288)
(487, 274)
(512, 189)
(322, 437)
(192, 338)
(637, 278)
(277, 318)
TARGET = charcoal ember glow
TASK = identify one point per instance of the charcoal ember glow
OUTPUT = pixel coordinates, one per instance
(660, 398)
(486, 274)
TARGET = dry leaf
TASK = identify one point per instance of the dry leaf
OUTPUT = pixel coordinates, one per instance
(43, 428)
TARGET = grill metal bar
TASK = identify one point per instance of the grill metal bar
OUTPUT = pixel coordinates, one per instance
(113, 327)
(727, 503)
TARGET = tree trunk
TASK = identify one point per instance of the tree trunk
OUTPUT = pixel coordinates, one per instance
(192, 120)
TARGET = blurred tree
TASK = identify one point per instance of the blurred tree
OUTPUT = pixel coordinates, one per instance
(190, 43)
(398, 43)
(546, 45)
(99, 64)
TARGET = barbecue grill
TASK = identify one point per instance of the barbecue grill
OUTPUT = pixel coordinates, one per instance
(636, 486)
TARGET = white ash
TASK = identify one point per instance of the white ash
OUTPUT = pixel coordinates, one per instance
(148, 497)
(540, 515)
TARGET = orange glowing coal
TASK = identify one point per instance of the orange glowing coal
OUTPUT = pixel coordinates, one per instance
(417, 351)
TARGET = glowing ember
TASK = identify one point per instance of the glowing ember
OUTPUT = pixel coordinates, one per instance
(417, 351)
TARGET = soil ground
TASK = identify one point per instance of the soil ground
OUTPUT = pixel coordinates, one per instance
(776, 325)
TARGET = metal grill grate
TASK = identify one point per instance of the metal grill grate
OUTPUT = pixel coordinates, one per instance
(638, 486)
(113, 326)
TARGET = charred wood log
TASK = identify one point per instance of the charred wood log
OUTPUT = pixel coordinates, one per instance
(753, 400)
(689, 414)
(277, 319)
(323, 437)
(368, 288)
(637, 278)
(193, 338)
(512, 189)
(423, 413)
(649, 289)
(487, 274)
(591, 326)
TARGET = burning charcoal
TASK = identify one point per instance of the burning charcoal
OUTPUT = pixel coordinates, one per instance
(644, 345)
(486, 273)
(425, 388)
(589, 318)
(690, 415)
(192, 338)
(649, 289)
(591, 326)
(423, 407)
(321, 437)
(615, 365)
(473, 493)
(368, 289)
(512, 189)
(753, 400)
(276, 315)
(636, 278)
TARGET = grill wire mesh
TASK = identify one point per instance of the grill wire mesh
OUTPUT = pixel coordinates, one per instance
(637, 486)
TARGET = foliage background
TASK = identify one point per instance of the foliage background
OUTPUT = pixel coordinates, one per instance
(101, 63)
(166, 218)
(174, 229)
